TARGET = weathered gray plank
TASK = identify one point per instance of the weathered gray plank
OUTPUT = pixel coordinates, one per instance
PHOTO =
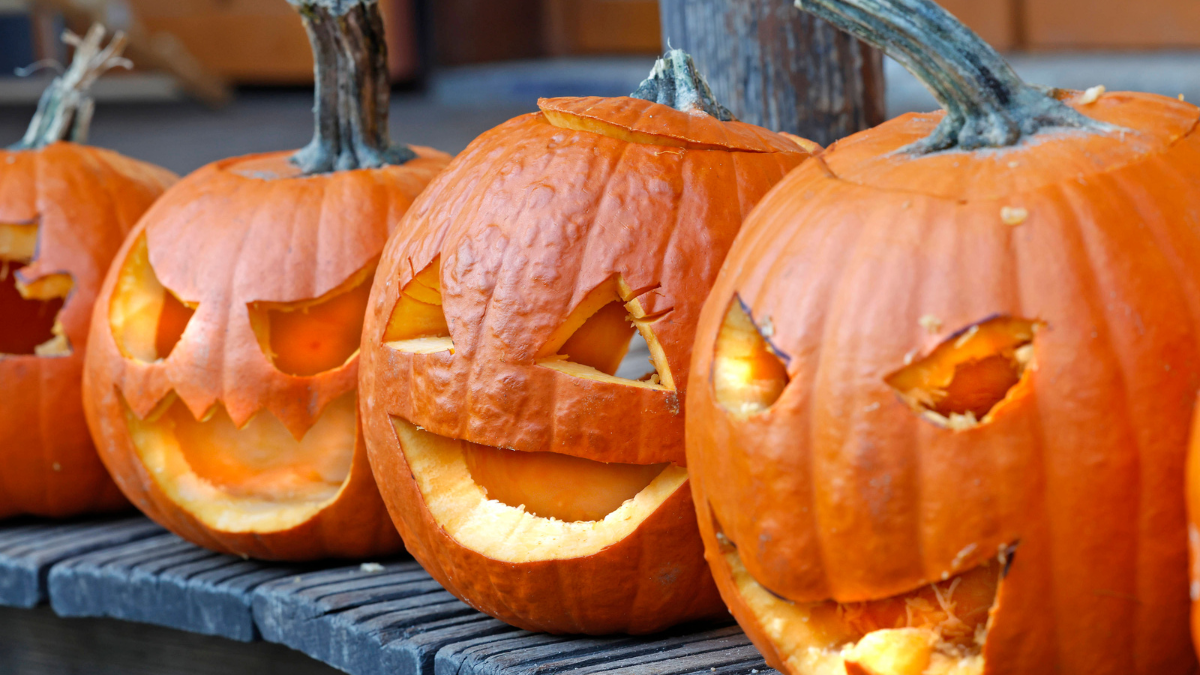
(166, 581)
(368, 623)
(36, 642)
(28, 549)
(685, 650)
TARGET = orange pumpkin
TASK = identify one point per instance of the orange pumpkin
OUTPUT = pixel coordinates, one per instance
(64, 209)
(528, 476)
(941, 389)
(221, 388)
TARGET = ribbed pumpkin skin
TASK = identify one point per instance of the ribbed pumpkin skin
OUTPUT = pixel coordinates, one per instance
(225, 236)
(528, 220)
(85, 201)
(841, 491)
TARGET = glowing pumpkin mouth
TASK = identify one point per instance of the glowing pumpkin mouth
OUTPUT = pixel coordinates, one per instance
(939, 629)
(257, 478)
(524, 507)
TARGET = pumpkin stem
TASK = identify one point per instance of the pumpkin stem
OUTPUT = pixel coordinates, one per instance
(674, 81)
(64, 111)
(351, 88)
(987, 105)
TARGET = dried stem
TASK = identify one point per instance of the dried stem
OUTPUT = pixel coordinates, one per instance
(987, 104)
(352, 89)
(674, 81)
(65, 110)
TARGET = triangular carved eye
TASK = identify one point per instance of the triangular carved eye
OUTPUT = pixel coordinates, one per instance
(964, 378)
(748, 375)
(308, 337)
(146, 318)
(418, 322)
(595, 341)
(29, 311)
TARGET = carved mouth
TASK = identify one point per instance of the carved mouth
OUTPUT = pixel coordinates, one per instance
(257, 478)
(939, 629)
(523, 507)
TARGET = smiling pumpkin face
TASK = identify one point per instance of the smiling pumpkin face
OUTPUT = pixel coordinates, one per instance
(222, 389)
(940, 400)
(523, 472)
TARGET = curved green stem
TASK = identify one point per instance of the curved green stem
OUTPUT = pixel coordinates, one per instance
(64, 111)
(351, 88)
(987, 105)
(674, 81)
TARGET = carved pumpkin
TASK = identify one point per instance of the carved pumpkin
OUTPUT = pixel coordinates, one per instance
(527, 476)
(221, 389)
(64, 210)
(941, 389)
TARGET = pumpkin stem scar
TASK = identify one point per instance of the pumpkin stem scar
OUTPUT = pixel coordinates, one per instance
(987, 105)
(351, 88)
(674, 81)
(64, 111)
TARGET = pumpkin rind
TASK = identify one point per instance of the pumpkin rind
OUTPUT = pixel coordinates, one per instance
(83, 200)
(849, 495)
(527, 222)
(247, 248)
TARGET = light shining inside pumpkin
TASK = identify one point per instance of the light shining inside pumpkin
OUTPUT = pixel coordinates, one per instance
(938, 629)
(961, 381)
(30, 309)
(747, 375)
(258, 475)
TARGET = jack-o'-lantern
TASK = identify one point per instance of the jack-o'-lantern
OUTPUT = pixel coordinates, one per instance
(222, 386)
(530, 474)
(941, 391)
(64, 209)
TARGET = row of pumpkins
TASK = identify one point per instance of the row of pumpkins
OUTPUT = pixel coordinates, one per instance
(937, 400)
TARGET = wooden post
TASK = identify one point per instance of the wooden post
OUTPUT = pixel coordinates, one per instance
(778, 67)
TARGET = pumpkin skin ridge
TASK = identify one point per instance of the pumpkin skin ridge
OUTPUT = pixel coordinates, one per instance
(1168, 166)
(701, 130)
(920, 123)
(84, 200)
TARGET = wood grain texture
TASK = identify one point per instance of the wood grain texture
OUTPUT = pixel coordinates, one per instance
(36, 642)
(777, 67)
(30, 547)
(166, 581)
(392, 619)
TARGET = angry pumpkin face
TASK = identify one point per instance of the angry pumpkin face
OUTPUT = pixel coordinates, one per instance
(941, 393)
(511, 450)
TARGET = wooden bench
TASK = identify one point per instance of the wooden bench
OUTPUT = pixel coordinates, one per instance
(365, 619)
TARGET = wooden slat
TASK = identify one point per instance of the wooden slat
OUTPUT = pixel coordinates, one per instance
(388, 619)
(36, 642)
(29, 549)
(686, 650)
(368, 623)
(165, 581)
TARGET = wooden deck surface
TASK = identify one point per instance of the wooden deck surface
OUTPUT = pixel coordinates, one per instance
(374, 619)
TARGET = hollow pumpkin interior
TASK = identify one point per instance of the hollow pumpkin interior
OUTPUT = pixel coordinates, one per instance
(29, 311)
(526, 507)
(938, 629)
(259, 477)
